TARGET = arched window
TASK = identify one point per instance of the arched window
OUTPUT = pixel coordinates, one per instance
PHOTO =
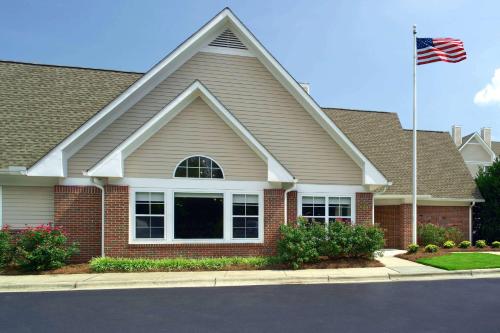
(198, 167)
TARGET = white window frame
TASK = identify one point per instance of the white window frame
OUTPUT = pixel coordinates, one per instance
(198, 178)
(169, 197)
(326, 197)
(260, 217)
(134, 215)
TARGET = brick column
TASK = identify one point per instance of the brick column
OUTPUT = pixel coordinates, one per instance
(116, 206)
(274, 216)
(364, 208)
(291, 207)
(77, 209)
(405, 217)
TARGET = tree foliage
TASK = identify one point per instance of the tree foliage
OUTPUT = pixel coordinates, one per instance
(487, 221)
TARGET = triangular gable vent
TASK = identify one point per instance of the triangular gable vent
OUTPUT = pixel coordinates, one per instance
(228, 39)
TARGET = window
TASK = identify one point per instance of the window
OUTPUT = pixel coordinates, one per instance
(245, 216)
(323, 209)
(149, 215)
(198, 216)
(313, 209)
(198, 167)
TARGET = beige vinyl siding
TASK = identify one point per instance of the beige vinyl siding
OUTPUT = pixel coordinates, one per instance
(196, 130)
(475, 152)
(27, 205)
(259, 102)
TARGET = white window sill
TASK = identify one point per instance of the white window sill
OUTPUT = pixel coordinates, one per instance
(193, 241)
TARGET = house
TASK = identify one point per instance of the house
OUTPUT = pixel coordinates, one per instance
(478, 150)
(207, 154)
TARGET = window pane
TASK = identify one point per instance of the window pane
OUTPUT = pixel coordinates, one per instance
(183, 164)
(157, 221)
(142, 196)
(217, 173)
(194, 161)
(239, 198)
(319, 201)
(239, 222)
(181, 172)
(238, 232)
(198, 217)
(307, 210)
(205, 173)
(194, 172)
(157, 197)
(252, 222)
(142, 208)
(319, 210)
(252, 199)
(252, 233)
(142, 221)
(142, 233)
(252, 209)
(345, 200)
(333, 211)
(205, 162)
(308, 200)
(239, 209)
(156, 232)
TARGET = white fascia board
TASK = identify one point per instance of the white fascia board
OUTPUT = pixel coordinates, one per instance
(112, 164)
(371, 175)
(54, 163)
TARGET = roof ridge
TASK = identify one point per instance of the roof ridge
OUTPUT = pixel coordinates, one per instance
(430, 131)
(68, 66)
(356, 110)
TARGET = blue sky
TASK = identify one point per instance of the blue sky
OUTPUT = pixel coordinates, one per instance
(355, 54)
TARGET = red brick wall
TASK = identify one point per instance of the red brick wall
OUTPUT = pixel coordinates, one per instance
(387, 218)
(364, 207)
(77, 209)
(397, 225)
(291, 207)
(117, 224)
(457, 217)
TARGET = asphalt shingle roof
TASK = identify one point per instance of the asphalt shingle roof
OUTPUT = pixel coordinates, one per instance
(40, 105)
(495, 146)
(442, 172)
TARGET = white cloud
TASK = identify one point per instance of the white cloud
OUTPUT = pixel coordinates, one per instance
(491, 93)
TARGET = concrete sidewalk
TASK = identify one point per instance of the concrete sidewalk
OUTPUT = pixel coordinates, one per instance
(396, 270)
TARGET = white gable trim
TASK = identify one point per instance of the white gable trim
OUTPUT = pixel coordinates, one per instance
(112, 165)
(54, 163)
(482, 143)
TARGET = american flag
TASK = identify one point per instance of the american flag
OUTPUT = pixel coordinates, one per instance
(439, 49)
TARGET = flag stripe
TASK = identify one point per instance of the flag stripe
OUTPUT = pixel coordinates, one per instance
(440, 49)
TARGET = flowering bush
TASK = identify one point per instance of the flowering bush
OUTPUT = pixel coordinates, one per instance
(412, 248)
(481, 244)
(6, 247)
(431, 248)
(464, 244)
(43, 248)
(449, 244)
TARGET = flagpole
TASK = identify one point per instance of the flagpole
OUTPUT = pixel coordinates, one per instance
(414, 171)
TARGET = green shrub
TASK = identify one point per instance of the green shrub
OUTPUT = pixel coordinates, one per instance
(6, 247)
(449, 244)
(108, 264)
(454, 235)
(431, 248)
(300, 244)
(431, 234)
(412, 248)
(464, 244)
(495, 244)
(481, 244)
(42, 248)
(306, 242)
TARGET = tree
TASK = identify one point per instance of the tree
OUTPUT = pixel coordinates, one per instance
(487, 221)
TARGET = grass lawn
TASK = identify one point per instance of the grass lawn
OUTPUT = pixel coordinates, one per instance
(457, 261)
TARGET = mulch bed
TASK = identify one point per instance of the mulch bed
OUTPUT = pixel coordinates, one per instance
(324, 263)
(422, 254)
